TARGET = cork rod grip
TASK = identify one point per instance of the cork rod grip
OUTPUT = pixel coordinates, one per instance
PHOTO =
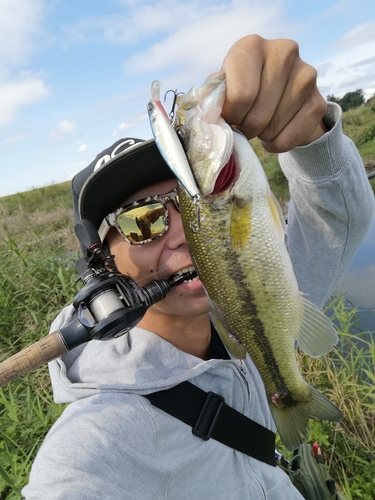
(48, 348)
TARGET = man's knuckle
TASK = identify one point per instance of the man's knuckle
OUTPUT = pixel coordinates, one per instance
(309, 75)
(287, 51)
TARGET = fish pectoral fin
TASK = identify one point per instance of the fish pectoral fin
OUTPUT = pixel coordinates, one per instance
(292, 422)
(238, 350)
(317, 335)
(277, 213)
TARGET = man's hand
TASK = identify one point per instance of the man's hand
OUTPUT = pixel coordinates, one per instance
(272, 94)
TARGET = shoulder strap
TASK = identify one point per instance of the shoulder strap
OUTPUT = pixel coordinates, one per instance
(210, 417)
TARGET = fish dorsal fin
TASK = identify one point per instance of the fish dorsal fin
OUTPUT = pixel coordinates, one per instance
(317, 335)
(238, 350)
(277, 213)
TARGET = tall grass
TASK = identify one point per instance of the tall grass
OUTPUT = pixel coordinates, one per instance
(346, 376)
(37, 256)
(359, 125)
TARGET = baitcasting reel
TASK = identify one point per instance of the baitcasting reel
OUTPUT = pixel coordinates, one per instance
(108, 306)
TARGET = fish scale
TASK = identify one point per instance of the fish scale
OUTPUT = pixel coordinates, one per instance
(231, 292)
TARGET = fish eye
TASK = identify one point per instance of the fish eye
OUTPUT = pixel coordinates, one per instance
(150, 107)
(181, 133)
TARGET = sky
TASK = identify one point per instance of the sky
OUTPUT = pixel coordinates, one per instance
(75, 76)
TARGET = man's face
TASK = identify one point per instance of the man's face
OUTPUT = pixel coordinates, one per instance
(159, 259)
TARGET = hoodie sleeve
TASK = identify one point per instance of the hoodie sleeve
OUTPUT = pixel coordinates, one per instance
(331, 209)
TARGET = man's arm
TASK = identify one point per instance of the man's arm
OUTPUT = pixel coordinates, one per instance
(331, 209)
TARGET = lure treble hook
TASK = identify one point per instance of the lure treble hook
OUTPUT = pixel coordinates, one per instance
(168, 142)
(175, 95)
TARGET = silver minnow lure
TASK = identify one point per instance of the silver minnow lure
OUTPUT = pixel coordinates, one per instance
(168, 142)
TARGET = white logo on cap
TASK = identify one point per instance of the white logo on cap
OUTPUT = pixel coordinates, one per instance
(104, 159)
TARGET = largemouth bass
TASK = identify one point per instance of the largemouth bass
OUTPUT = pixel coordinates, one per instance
(236, 235)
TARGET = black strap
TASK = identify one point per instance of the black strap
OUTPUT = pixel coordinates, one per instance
(210, 417)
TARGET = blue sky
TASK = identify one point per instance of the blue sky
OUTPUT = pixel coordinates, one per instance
(75, 75)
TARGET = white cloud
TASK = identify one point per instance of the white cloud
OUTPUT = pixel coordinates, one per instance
(361, 34)
(66, 126)
(20, 24)
(15, 94)
(200, 42)
(185, 35)
(82, 148)
(15, 138)
(363, 62)
(323, 69)
(62, 131)
(352, 63)
(134, 122)
(140, 20)
(20, 21)
(124, 125)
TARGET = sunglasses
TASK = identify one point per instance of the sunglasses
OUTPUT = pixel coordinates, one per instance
(143, 220)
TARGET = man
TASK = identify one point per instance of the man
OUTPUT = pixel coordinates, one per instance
(111, 442)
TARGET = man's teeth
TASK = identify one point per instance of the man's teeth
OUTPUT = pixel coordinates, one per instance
(187, 270)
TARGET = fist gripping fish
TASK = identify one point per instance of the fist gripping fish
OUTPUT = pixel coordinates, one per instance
(236, 235)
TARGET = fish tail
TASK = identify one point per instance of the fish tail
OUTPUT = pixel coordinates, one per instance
(292, 422)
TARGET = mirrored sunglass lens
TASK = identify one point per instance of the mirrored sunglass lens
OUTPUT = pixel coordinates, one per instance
(143, 222)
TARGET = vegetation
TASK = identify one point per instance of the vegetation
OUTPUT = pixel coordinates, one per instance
(347, 378)
(37, 256)
(350, 100)
(358, 124)
(38, 251)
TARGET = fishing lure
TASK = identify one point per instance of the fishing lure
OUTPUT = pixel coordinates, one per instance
(169, 143)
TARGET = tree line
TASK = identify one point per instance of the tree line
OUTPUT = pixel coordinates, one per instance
(350, 100)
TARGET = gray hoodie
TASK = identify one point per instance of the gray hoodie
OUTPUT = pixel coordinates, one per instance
(111, 443)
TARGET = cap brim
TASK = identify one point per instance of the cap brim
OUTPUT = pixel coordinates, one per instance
(108, 187)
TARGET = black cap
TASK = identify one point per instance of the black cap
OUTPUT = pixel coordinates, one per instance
(116, 173)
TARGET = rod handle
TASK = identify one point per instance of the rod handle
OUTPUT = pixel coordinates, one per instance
(38, 354)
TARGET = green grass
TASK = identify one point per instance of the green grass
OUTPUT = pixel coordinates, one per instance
(38, 251)
(37, 256)
(40, 199)
(359, 125)
(347, 377)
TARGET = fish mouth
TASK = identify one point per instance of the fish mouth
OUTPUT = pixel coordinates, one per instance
(227, 177)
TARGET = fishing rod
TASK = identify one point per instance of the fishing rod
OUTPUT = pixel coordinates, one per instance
(107, 307)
